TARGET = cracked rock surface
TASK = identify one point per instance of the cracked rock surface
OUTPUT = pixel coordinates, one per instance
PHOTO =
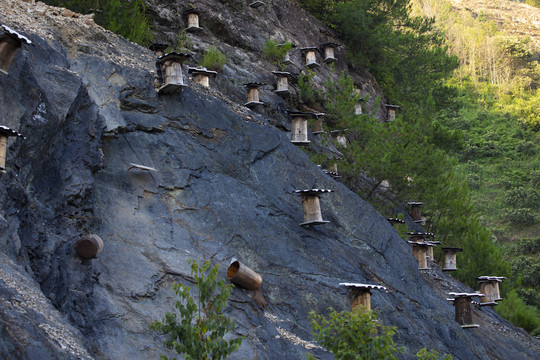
(222, 188)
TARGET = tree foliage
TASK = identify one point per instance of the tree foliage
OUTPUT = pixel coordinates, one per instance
(198, 328)
(126, 18)
(213, 59)
(354, 335)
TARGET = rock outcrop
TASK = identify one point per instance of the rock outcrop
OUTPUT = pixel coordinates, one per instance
(222, 188)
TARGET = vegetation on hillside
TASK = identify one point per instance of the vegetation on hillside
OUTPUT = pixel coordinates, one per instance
(198, 327)
(463, 108)
(126, 18)
(358, 334)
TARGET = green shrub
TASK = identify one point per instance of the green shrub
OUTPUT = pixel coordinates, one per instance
(521, 197)
(183, 42)
(126, 18)
(202, 326)
(275, 53)
(354, 335)
(306, 92)
(425, 354)
(514, 309)
(521, 216)
(213, 59)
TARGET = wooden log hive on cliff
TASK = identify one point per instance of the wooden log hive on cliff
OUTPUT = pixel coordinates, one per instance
(311, 206)
(361, 295)
(391, 112)
(329, 51)
(450, 258)
(282, 77)
(202, 75)
(5, 132)
(253, 94)
(10, 41)
(192, 20)
(462, 304)
(89, 247)
(489, 285)
(171, 69)
(310, 54)
(299, 127)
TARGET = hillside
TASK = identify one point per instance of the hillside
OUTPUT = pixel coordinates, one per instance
(497, 81)
(513, 17)
(220, 186)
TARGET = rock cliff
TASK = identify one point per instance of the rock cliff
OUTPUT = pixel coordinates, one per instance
(85, 100)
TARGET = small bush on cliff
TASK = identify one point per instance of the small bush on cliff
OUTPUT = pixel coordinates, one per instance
(354, 335)
(200, 332)
(275, 53)
(126, 18)
(213, 59)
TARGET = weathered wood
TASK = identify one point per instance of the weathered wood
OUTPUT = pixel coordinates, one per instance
(89, 247)
(3, 151)
(242, 275)
(329, 54)
(193, 20)
(282, 83)
(341, 140)
(202, 79)
(299, 130)
(416, 213)
(287, 59)
(311, 58)
(391, 115)
(463, 310)
(172, 72)
(8, 48)
(420, 253)
(253, 94)
(312, 208)
(450, 261)
(361, 299)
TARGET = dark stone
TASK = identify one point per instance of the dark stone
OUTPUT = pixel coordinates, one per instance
(222, 189)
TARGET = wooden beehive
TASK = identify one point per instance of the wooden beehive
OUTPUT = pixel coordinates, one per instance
(253, 94)
(430, 254)
(242, 275)
(419, 251)
(391, 112)
(246, 278)
(89, 247)
(416, 213)
(171, 69)
(282, 79)
(5, 132)
(462, 304)
(202, 75)
(310, 54)
(329, 50)
(358, 109)
(361, 295)
(192, 20)
(489, 285)
(450, 258)
(299, 127)
(311, 206)
(10, 41)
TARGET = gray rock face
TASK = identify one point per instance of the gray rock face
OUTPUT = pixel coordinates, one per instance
(222, 189)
